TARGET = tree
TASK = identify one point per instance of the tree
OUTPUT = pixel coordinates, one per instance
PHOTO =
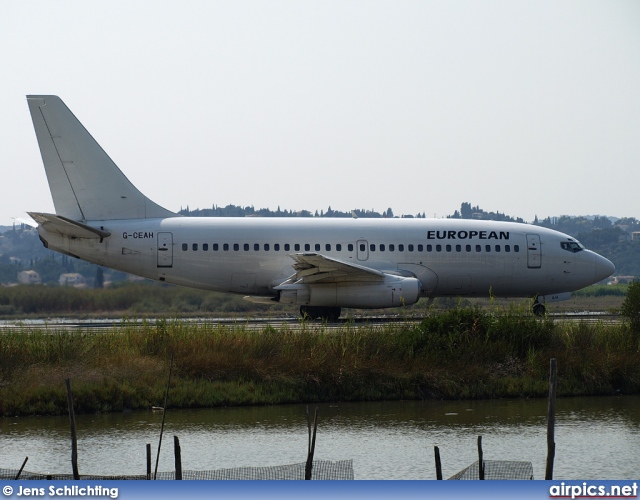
(631, 305)
(99, 278)
(466, 211)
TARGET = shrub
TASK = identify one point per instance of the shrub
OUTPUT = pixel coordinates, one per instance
(631, 305)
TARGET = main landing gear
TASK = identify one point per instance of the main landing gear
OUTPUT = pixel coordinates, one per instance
(319, 312)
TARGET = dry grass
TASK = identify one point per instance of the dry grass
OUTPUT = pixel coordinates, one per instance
(460, 353)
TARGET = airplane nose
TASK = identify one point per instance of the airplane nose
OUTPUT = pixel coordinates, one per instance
(603, 267)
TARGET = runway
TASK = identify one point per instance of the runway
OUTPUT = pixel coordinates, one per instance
(97, 325)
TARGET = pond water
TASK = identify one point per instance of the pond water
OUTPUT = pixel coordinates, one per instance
(596, 437)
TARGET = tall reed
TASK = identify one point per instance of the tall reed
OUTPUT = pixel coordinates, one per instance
(460, 353)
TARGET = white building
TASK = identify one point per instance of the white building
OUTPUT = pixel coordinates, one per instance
(30, 277)
(72, 279)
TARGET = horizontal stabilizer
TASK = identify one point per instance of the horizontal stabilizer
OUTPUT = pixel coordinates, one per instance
(67, 227)
(23, 220)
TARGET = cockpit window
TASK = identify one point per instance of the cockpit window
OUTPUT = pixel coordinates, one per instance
(572, 246)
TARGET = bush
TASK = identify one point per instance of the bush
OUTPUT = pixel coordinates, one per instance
(631, 305)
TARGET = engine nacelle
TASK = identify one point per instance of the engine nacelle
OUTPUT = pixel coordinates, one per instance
(393, 292)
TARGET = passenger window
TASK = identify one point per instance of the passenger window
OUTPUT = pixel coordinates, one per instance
(516, 248)
(276, 247)
(448, 248)
(317, 247)
(338, 247)
(287, 247)
(246, 247)
(205, 246)
(214, 247)
(266, 247)
(410, 247)
(185, 247)
(327, 247)
(382, 247)
(401, 248)
(487, 248)
(468, 248)
(256, 247)
(507, 248)
(195, 247)
(429, 248)
(362, 247)
(350, 247)
(392, 247)
(236, 247)
(307, 247)
(438, 248)
(226, 247)
(372, 247)
(497, 248)
(458, 248)
(420, 248)
(478, 248)
(296, 247)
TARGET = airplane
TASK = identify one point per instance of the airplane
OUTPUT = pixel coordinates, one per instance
(319, 264)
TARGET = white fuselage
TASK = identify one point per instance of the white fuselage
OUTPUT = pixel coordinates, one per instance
(320, 264)
(449, 257)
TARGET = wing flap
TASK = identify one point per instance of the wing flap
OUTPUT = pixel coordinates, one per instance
(67, 227)
(317, 268)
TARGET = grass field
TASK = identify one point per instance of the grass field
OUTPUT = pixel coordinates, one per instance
(463, 352)
(147, 299)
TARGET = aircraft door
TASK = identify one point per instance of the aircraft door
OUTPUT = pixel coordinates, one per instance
(363, 249)
(165, 249)
(534, 253)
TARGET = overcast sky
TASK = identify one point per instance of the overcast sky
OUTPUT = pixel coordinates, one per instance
(523, 107)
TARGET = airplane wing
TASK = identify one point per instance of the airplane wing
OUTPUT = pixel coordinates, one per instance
(317, 268)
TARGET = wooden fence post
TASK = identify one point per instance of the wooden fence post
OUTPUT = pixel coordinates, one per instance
(148, 461)
(20, 471)
(178, 457)
(551, 418)
(312, 444)
(438, 463)
(74, 438)
(480, 459)
(164, 413)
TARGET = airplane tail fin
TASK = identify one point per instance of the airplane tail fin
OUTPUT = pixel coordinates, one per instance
(85, 183)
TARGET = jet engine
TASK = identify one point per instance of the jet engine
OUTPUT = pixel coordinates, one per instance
(393, 292)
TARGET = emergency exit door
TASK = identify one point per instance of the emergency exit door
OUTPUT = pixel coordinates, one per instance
(534, 253)
(165, 249)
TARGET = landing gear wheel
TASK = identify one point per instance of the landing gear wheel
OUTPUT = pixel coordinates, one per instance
(305, 312)
(330, 314)
(539, 309)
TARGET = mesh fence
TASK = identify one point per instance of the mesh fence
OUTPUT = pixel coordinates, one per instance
(497, 469)
(322, 470)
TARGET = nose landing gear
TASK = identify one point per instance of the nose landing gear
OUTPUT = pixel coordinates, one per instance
(538, 308)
